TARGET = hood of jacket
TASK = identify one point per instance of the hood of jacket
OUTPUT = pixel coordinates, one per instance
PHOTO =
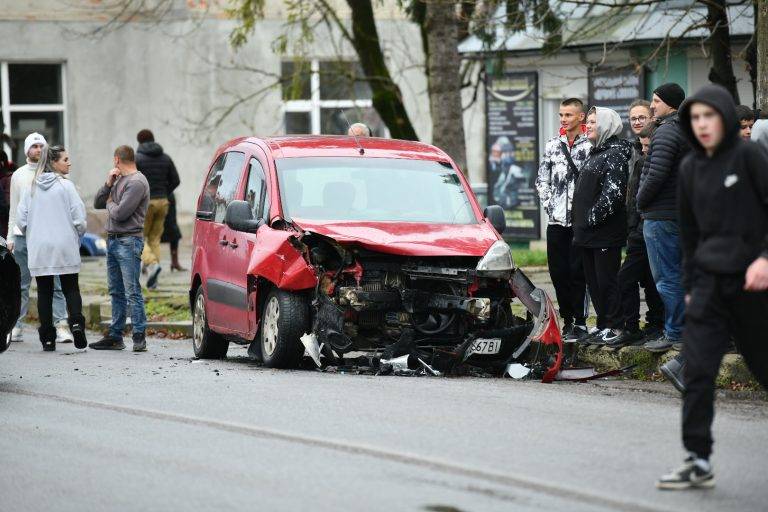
(608, 125)
(719, 99)
(46, 180)
(760, 133)
(150, 148)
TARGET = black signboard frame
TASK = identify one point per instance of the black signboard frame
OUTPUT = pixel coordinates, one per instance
(512, 150)
(616, 88)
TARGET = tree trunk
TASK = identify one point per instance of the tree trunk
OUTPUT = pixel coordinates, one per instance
(720, 47)
(386, 96)
(444, 71)
(762, 55)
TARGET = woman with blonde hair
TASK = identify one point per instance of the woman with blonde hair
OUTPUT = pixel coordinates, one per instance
(52, 216)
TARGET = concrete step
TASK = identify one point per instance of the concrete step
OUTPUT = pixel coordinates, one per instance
(182, 327)
(733, 371)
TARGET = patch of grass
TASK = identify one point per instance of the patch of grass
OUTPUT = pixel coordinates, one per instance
(530, 257)
(163, 308)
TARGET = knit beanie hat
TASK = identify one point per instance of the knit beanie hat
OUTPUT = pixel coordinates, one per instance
(31, 140)
(671, 94)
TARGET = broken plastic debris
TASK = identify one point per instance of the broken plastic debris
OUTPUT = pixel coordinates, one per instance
(312, 347)
(517, 371)
(429, 369)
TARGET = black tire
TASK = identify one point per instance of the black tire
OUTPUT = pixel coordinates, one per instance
(206, 343)
(281, 330)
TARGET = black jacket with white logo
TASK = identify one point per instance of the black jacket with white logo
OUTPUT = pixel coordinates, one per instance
(723, 199)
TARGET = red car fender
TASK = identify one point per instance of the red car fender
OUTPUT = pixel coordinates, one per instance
(275, 259)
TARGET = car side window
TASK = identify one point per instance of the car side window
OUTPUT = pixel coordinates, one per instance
(256, 192)
(207, 203)
(230, 177)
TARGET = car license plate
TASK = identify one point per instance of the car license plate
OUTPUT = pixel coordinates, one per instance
(486, 346)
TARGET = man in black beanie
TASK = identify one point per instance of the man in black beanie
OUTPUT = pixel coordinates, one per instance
(657, 204)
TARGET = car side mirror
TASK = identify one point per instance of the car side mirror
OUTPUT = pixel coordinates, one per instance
(495, 214)
(240, 217)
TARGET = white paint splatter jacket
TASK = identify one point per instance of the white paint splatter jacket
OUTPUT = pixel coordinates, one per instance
(554, 183)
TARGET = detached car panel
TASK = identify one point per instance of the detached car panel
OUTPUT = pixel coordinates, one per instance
(330, 246)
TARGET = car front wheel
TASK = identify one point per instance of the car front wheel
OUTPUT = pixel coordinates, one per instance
(206, 343)
(284, 320)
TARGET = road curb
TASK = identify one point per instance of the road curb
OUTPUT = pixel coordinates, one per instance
(733, 370)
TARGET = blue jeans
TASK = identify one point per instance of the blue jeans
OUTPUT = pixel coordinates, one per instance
(123, 271)
(662, 239)
(21, 256)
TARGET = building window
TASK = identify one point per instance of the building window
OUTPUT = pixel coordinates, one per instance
(325, 97)
(32, 99)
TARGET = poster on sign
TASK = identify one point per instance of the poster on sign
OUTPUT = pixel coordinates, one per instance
(512, 141)
(616, 88)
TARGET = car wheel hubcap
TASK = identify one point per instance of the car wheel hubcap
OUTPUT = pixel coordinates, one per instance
(198, 323)
(269, 329)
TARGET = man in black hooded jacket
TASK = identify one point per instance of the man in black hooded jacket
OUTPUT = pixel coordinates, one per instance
(163, 179)
(723, 216)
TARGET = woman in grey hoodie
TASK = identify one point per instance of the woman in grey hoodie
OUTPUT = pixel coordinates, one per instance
(52, 216)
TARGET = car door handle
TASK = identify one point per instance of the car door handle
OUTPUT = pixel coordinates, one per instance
(233, 245)
(223, 242)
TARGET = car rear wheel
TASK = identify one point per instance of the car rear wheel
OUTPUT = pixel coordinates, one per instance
(284, 320)
(206, 343)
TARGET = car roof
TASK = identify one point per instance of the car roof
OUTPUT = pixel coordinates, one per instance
(296, 146)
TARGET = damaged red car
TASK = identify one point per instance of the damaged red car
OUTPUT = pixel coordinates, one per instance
(368, 250)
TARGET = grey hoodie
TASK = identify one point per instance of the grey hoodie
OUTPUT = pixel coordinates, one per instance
(760, 133)
(608, 125)
(52, 216)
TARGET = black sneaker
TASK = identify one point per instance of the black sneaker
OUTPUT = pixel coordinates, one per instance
(577, 333)
(650, 333)
(139, 342)
(626, 338)
(567, 330)
(78, 333)
(597, 339)
(694, 473)
(590, 337)
(108, 343)
(659, 345)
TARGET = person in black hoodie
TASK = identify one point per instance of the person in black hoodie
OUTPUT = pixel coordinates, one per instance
(723, 216)
(163, 179)
(599, 217)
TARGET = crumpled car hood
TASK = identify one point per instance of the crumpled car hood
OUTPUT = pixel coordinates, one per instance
(411, 238)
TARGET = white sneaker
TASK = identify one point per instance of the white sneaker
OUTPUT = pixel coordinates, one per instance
(17, 334)
(62, 334)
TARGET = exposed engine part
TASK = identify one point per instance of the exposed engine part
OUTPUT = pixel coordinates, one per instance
(329, 325)
(362, 300)
(417, 301)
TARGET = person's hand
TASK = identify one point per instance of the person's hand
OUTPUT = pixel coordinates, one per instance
(10, 245)
(112, 176)
(756, 279)
(687, 298)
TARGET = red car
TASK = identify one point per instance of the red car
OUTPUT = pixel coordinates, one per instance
(328, 246)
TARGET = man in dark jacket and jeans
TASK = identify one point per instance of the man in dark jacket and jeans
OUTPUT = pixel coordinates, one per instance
(657, 203)
(723, 209)
(163, 179)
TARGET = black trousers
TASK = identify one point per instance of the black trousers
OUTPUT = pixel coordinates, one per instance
(601, 268)
(71, 289)
(634, 273)
(718, 309)
(567, 274)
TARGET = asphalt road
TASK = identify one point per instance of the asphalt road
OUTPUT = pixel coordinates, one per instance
(102, 431)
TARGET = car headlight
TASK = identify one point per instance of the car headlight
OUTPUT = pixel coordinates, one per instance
(101, 244)
(498, 261)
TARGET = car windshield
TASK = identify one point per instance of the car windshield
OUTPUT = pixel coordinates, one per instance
(373, 189)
